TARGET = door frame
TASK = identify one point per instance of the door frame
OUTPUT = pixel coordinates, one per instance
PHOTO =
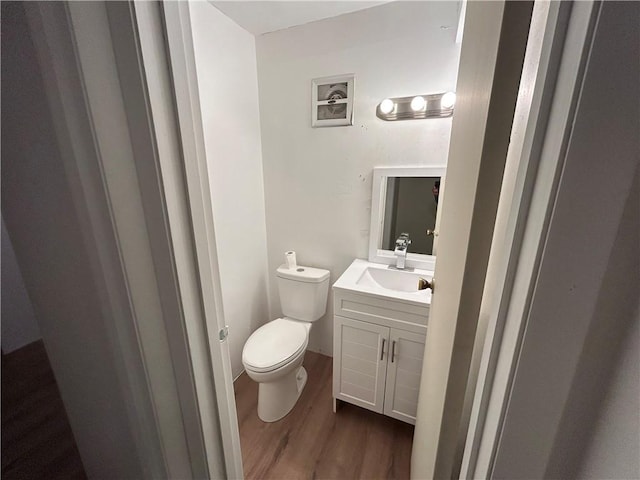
(171, 24)
(148, 227)
(558, 50)
(535, 185)
(179, 41)
(492, 53)
(517, 209)
(538, 329)
(177, 192)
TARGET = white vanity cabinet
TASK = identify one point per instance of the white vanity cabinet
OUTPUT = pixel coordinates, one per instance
(378, 349)
(404, 368)
(359, 362)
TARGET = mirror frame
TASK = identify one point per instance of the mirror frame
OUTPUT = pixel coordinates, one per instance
(380, 176)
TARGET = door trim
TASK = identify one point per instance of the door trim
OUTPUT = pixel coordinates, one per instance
(145, 230)
(491, 58)
(122, 212)
(180, 52)
(549, 100)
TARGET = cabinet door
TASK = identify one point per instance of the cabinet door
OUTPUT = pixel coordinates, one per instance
(406, 352)
(360, 362)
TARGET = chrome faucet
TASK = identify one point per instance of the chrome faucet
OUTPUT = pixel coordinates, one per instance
(402, 245)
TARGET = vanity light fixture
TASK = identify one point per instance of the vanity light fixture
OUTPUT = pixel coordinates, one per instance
(437, 105)
(448, 100)
(418, 103)
(387, 106)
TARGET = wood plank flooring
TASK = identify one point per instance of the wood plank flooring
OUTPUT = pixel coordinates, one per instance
(314, 443)
(37, 442)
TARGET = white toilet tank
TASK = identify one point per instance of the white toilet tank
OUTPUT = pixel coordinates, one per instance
(303, 292)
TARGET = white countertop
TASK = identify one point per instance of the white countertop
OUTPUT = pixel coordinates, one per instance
(349, 281)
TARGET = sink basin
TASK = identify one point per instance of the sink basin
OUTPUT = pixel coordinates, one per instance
(378, 280)
(397, 280)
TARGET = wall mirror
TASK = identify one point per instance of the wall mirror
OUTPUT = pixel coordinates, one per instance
(405, 200)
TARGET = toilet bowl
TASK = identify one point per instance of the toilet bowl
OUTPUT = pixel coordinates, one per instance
(273, 354)
(273, 357)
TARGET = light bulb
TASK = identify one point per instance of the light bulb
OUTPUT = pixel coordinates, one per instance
(386, 106)
(418, 103)
(448, 100)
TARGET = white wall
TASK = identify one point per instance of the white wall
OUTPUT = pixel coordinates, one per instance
(318, 180)
(227, 79)
(19, 326)
(613, 451)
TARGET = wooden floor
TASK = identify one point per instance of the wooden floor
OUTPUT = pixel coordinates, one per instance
(313, 442)
(37, 442)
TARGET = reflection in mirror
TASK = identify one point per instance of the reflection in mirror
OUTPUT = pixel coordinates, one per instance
(410, 206)
(405, 200)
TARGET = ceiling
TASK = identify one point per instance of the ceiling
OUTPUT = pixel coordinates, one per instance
(260, 17)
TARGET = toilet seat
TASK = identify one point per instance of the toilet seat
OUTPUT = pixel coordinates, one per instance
(275, 344)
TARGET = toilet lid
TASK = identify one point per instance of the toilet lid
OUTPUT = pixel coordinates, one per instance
(273, 344)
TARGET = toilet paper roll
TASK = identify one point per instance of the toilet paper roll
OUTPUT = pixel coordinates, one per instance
(290, 259)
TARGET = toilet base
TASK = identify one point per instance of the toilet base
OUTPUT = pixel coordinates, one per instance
(276, 399)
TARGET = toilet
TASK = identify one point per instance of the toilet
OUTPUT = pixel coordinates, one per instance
(273, 354)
